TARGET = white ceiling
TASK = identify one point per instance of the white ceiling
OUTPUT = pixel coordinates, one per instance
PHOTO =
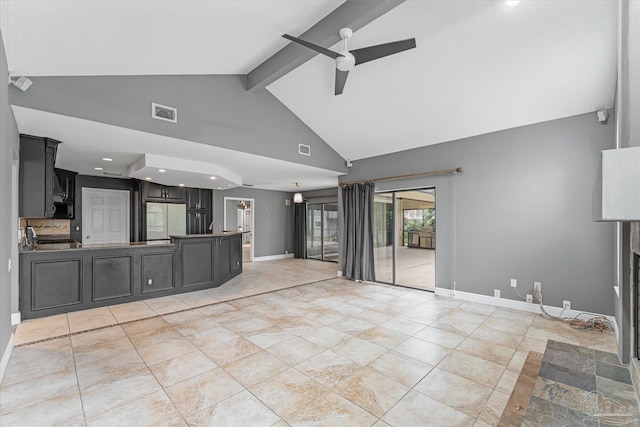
(479, 67)
(142, 37)
(82, 154)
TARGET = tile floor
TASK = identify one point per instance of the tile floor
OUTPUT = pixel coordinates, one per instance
(582, 386)
(331, 352)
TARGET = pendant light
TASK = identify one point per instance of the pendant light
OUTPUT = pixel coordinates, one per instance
(297, 197)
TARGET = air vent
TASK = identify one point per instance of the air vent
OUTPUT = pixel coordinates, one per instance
(305, 150)
(111, 173)
(162, 112)
(247, 185)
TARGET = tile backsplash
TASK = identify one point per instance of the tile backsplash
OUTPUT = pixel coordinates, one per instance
(47, 227)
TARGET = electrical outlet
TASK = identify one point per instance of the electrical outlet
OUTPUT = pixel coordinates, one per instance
(529, 298)
(496, 293)
(537, 287)
(149, 282)
(566, 305)
(514, 283)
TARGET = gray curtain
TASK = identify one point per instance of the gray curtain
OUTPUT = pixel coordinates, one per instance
(300, 230)
(356, 231)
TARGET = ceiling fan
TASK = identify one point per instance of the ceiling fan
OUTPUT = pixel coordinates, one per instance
(346, 60)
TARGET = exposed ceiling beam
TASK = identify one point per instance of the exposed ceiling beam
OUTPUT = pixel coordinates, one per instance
(354, 14)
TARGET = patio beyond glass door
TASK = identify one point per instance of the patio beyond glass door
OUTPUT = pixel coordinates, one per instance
(405, 238)
(322, 231)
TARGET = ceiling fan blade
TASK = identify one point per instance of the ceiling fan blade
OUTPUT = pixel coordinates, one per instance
(370, 53)
(320, 49)
(341, 79)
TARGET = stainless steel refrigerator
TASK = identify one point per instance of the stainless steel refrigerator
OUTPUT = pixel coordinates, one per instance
(166, 219)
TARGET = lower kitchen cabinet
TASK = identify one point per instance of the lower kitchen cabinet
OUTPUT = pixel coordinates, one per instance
(55, 283)
(61, 281)
(112, 277)
(157, 272)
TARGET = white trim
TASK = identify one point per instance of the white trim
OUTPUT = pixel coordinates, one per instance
(272, 257)
(516, 305)
(252, 206)
(5, 357)
(15, 319)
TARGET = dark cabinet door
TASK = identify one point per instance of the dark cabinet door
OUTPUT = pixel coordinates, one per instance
(174, 194)
(198, 199)
(153, 192)
(37, 158)
(197, 222)
(229, 257)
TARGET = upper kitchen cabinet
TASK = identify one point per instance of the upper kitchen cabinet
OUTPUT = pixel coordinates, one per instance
(152, 192)
(37, 178)
(198, 199)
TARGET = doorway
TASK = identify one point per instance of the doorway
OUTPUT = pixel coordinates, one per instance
(322, 231)
(405, 238)
(105, 216)
(238, 216)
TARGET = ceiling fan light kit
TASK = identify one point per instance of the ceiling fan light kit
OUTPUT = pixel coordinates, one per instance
(346, 59)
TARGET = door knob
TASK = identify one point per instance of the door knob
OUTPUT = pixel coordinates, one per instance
(88, 237)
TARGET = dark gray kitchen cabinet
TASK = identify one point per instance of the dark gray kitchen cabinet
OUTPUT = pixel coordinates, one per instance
(229, 257)
(198, 222)
(55, 283)
(157, 272)
(152, 192)
(198, 199)
(197, 262)
(198, 210)
(37, 159)
(112, 277)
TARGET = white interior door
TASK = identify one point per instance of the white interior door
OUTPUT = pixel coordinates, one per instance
(105, 216)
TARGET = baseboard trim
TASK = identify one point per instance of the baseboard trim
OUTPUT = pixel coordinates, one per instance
(271, 257)
(518, 305)
(5, 357)
(15, 318)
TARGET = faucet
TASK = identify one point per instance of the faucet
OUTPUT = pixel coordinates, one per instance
(215, 222)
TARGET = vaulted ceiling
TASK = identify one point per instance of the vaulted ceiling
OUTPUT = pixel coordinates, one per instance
(479, 66)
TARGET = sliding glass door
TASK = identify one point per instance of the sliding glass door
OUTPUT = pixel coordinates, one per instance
(322, 231)
(405, 238)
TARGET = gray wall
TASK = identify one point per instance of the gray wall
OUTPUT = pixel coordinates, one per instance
(213, 110)
(521, 209)
(273, 220)
(9, 149)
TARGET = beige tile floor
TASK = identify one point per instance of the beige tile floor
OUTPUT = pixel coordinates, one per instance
(329, 353)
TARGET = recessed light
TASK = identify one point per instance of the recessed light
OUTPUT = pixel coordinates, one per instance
(148, 178)
(212, 177)
(98, 169)
(107, 159)
(512, 3)
(180, 185)
(161, 170)
(219, 188)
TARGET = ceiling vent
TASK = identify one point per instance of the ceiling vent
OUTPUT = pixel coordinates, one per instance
(162, 112)
(305, 150)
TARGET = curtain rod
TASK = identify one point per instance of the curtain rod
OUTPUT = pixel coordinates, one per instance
(412, 175)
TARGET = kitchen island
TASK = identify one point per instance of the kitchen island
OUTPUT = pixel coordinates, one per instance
(69, 277)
